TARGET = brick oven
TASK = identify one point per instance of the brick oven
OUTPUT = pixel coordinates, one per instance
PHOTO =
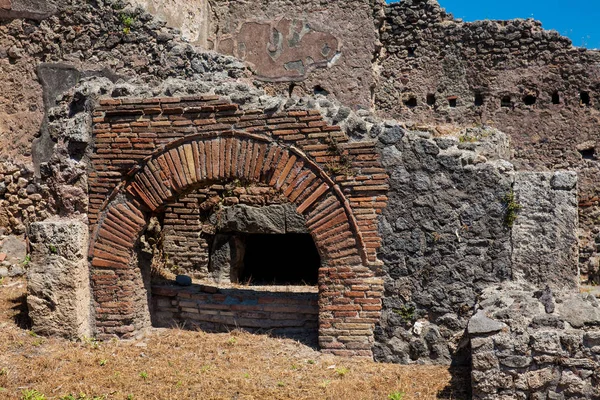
(274, 215)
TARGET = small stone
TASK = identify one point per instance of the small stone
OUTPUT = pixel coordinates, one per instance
(564, 180)
(2, 256)
(480, 324)
(183, 280)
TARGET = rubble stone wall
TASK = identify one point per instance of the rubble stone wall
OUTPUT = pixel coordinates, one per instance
(529, 343)
(529, 82)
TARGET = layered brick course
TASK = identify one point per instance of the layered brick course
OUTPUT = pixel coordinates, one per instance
(150, 152)
(290, 314)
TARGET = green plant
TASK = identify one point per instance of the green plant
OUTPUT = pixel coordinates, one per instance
(3, 372)
(396, 396)
(103, 362)
(280, 384)
(82, 396)
(32, 395)
(341, 371)
(311, 362)
(26, 260)
(407, 313)
(127, 21)
(232, 341)
(467, 139)
(324, 384)
(92, 342)
(511, 209)
(144, 375)
(205, 368)
(129, 397)
(1, 281)
(52, 248)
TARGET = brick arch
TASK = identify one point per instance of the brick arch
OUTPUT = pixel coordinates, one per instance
(349, 293)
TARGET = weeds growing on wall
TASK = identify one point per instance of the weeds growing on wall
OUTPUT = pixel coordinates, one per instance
(127, 20)
(511, 209)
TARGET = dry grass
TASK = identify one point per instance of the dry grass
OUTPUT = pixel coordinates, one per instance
(177, 364)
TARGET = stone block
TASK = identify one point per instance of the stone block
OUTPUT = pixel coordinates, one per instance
(545, 241)
(59, 297)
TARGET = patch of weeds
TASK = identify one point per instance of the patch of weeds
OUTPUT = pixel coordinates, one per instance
(32, 334)
(247, 375)
(3, 372)
(26, 260)
(407, 313)
(1, 281)
(129, 397)
(37, 342)
(511, 209)
(341, 371)
(127, 20)
(311, 362)
(467, 139)
(32, 395)
(144, 375)
(280, 384)
(82, 396)
(205, 368)
(324, 384)
(396, 396)
(294, 367)
(91, 342)
(232, 341)
(103, 362)
(52, 248)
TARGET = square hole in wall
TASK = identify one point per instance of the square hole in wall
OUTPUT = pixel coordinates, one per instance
(288, 259)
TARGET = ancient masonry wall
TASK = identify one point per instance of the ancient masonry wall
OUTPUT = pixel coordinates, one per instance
(529, 82)
(49, 46)
(190, 225)
(529, 343)
(149, 150)
(448, 234)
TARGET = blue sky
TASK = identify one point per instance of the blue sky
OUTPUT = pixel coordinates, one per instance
(577, 19)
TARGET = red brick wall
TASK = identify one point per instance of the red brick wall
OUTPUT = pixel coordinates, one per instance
(148, 152)
(289, 314)
(187, 232)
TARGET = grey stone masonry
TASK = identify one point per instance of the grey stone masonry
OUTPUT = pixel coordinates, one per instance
(536, 345)
(544, 235)
(59, 297)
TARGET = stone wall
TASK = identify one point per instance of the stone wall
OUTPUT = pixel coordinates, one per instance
(531, 83)
(459, 221)
(78, 40)
(22, 200)
(535, 344)
(445, 240)
(312, 47)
